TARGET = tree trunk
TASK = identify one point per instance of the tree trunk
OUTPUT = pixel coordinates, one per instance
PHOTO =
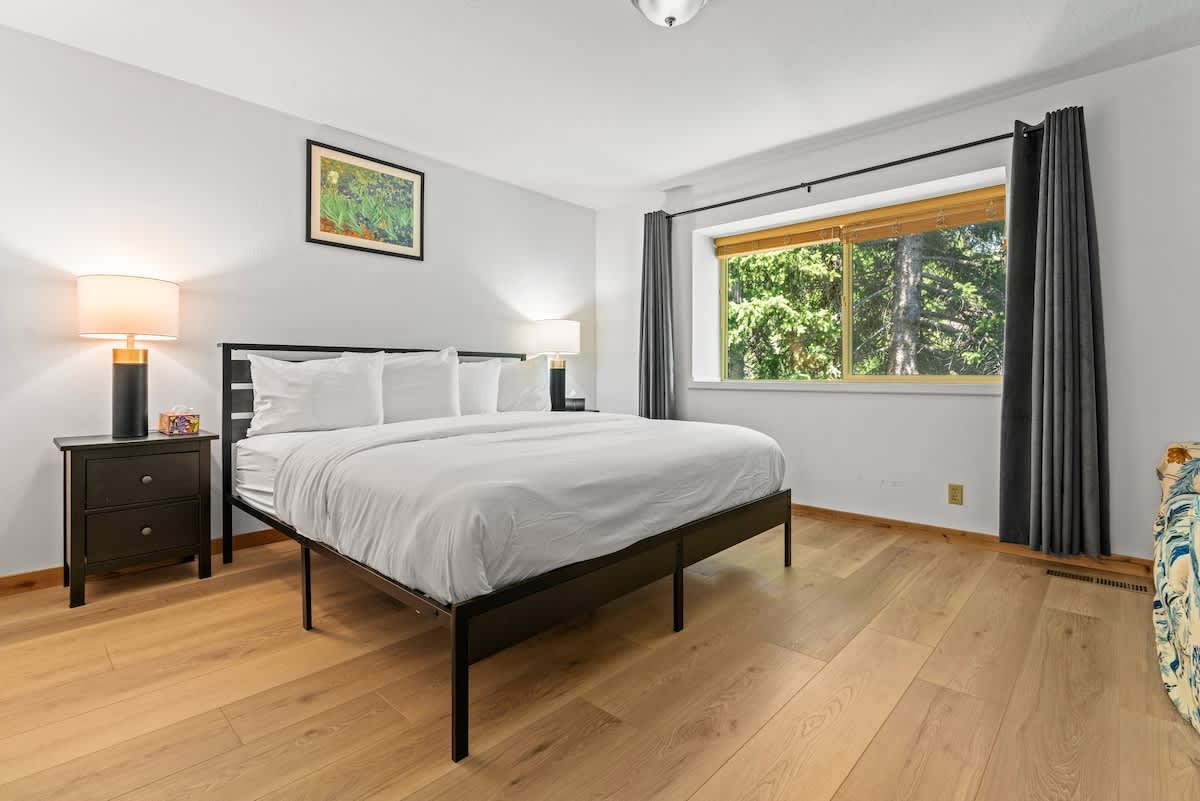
(906, 306)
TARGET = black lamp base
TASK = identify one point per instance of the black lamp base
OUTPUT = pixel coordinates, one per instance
(558, 386)
(129, 380)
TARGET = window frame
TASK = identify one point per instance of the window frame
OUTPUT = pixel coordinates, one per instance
(996, 194)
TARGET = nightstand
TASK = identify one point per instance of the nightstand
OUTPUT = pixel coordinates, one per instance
(128, 501)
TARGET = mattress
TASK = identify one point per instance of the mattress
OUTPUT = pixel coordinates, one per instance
(255, 462)
(458, 507)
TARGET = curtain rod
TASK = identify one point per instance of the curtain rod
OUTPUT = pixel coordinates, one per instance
(810, 184)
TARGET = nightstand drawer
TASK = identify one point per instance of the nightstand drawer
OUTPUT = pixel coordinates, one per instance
(112, 535)
(137, 479)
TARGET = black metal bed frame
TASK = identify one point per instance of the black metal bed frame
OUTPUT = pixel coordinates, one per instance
(490, 623)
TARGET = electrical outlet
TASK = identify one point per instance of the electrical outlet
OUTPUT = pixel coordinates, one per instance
(954, 494)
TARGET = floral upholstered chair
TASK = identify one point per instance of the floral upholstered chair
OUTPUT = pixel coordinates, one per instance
(1177, 578)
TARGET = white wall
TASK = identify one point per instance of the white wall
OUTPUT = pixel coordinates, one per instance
(108, 168)
(892, 454)
(618, 274)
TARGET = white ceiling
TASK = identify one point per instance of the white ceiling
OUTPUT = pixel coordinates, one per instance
(584, 99)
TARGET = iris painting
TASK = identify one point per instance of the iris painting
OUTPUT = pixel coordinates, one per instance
(362, 203)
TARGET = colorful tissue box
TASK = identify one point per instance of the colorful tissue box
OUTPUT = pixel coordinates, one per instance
(179, 423)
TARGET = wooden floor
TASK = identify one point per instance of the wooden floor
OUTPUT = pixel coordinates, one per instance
(880, 666)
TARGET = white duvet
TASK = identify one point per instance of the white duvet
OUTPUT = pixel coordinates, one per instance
(457, 507)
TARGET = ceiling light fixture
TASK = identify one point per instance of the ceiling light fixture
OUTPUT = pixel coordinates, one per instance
(669, 13)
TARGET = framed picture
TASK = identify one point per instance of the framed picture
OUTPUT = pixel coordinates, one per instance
(355, 201)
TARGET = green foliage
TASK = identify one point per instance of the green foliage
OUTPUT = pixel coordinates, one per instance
(360, 202)
(784, 307)
(961, 301)
(784, 314)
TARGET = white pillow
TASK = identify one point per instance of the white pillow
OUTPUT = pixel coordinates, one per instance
(417, 386)
(525, 386)
(316, 395)
(479, 386)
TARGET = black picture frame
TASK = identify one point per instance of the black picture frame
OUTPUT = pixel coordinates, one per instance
(314, 234)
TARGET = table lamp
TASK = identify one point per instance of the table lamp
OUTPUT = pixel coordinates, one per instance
(559, 338)
(128, 308)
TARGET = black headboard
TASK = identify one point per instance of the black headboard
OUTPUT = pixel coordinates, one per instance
(237, 393)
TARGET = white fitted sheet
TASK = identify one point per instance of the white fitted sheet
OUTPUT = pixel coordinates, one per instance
(255, 461)
(458, 507)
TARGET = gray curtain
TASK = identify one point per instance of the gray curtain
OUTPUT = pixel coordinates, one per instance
(656, 374)
(1054, 409)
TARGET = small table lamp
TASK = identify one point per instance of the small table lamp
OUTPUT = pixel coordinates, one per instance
(128, 308)
(558, 337)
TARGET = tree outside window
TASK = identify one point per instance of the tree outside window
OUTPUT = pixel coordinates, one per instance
(925, 300)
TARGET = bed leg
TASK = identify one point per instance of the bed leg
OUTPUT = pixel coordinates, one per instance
(787, 541)
(226, 531)
(459, 690)
(306, 580)
(678, 588)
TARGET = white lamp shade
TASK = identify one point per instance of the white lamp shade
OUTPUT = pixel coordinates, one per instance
(557, 336)
(117, 306)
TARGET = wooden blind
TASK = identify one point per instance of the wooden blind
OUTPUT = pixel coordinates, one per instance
(948, 211)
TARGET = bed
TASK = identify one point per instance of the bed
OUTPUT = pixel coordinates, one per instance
(498, 525)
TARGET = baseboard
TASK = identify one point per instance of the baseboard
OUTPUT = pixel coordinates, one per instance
(52, 576)
(252, 539)
(1127, 565)
(34, 580)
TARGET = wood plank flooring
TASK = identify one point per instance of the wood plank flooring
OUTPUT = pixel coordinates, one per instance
(880, 667)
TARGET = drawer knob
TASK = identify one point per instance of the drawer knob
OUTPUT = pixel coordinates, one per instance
(147, 479)
(147, 531)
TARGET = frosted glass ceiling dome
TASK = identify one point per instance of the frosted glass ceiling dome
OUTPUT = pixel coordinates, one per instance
(669, 13)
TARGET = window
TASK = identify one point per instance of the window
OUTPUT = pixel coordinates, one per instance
(903, 293)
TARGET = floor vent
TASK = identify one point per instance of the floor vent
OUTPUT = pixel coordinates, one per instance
(1107, 582)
